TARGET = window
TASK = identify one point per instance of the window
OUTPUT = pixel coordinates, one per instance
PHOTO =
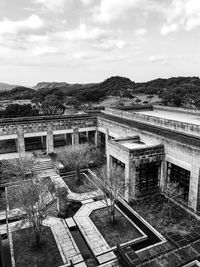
(180, 175)
(148, 178)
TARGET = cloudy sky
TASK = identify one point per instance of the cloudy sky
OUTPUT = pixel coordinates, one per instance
(90, 40)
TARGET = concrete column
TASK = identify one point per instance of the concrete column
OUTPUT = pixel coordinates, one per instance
(127, 179)
(163, 174)
(96, 138)
(87, 135)
(106, 139)
(75, 137)
(194, 191)
(20, 142)
(42, 141)
(49, 139)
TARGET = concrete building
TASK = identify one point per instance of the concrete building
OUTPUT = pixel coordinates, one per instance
(152, 147)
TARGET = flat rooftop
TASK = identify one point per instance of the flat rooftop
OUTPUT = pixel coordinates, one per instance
(130, 145)
(171, 115)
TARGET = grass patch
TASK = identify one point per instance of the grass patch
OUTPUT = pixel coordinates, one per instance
(150, 209)
(120, 232)
(85, 187)
(26, 254)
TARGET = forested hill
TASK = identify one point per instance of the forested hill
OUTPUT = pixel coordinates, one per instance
(173, 91)
(158, 85)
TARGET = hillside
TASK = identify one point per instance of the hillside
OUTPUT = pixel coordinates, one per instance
(6, 86)
(65, 87)
(175, 91)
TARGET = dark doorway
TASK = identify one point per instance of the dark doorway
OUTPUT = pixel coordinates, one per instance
(148, 177)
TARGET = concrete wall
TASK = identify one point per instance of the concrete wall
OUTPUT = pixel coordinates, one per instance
(177, 126)
(182, 155)
(175, 109)
(58, 125)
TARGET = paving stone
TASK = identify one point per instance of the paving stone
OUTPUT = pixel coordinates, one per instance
(186, 254)
(70, 222)
(196, 246)
(106, 257)
(83, 202)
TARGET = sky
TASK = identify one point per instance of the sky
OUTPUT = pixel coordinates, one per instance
(81, 41)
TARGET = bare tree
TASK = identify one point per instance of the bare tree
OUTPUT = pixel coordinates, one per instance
(171, 191)
(75, 158)
(14, 170)
(33, 198)
(111, 183)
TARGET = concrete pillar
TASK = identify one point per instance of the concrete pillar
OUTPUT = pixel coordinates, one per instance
(20, 142)
(42, 141)
(87, 136)
(163, 174)
(106, 139)
(194, 191)
(127, 179)
(49, 139)
(96, 138)
(75, 137)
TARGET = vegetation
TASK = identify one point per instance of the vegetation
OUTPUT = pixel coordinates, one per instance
(14, 170)
(47, 255)
(16, 110)
(179, 91)
(33, 198)
(77, 157)
(111, 183)
(151, 208)
(120, 232)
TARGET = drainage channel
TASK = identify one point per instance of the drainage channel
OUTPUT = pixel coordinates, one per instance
(87, 255)
(152, 237)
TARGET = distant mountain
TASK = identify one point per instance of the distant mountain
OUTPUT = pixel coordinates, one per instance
(61, 85)
(6, 86)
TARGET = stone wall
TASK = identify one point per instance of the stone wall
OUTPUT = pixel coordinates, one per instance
(177, 126)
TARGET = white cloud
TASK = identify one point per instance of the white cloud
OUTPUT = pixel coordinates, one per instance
(84, 32)
(140, 32)
(166, 29)
(158, 59)
(30, 24)
(110, 10)
(182, 14)
(88, 2)
(44, 50)
(53, 5)
(110, 44)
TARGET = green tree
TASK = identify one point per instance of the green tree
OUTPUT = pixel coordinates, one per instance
(16, 110)
(52, 106)
(75, 158)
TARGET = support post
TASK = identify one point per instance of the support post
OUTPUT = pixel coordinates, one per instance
(75, 137)
(49, 139)
(163, 174)
(20, 142)
(96, 138)
(194, 190)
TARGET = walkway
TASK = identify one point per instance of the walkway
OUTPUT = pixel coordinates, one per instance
(66, 245)
(94, 239)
